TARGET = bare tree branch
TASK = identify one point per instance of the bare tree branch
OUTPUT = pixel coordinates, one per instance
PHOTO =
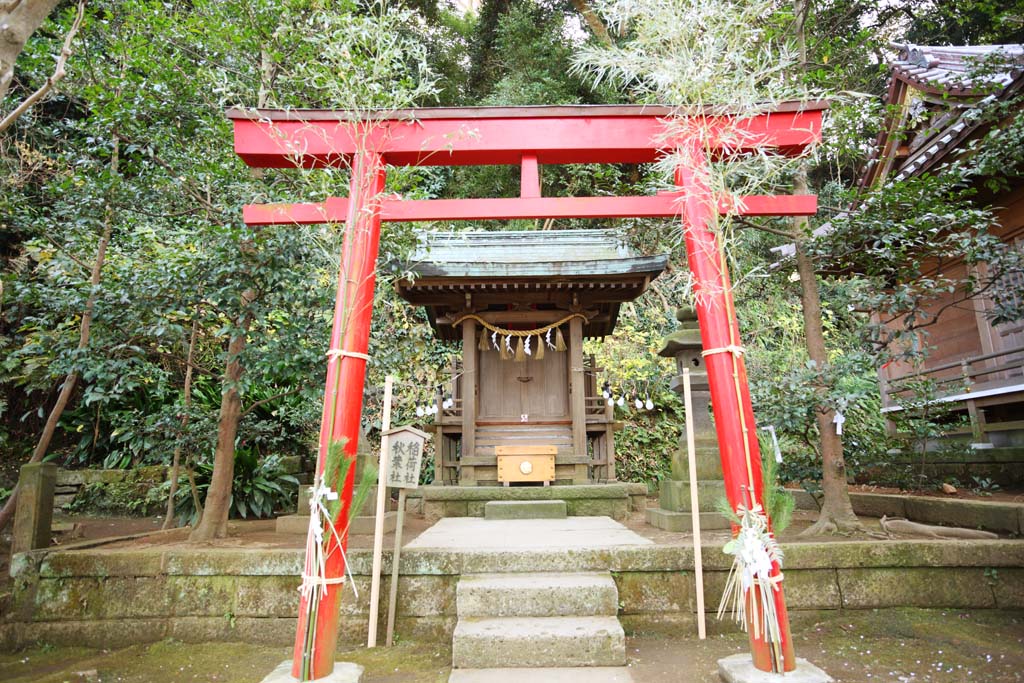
(269, 399)
(58, 73)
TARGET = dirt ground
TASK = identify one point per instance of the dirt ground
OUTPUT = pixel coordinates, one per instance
(897, 646)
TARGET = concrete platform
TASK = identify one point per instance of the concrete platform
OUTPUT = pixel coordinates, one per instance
(344, 672)
(590, 674)
(538, 642)
(473, 535)
(740, 669)
(525, 509)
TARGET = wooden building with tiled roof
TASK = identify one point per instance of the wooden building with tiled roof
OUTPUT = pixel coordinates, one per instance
(934, 101)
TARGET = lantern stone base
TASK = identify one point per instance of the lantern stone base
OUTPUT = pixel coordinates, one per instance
(740, 669)
(344, 672)
(683, 521)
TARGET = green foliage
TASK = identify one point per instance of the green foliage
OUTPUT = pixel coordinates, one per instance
(983, 486)
(778, 502)
(259, 489)
(633, 370)
(150, 80)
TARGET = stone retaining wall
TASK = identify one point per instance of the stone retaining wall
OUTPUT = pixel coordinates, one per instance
(111, 488)
(999, 516)
(109, 597)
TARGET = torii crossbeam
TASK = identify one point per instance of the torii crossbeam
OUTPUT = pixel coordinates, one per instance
(527, 137)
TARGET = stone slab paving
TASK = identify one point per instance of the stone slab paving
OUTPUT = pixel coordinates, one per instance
(469, 534)
(592, 674)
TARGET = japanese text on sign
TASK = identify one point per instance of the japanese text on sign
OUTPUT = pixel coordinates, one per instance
(406, 456)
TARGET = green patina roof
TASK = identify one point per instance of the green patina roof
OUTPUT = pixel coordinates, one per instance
(529, 254)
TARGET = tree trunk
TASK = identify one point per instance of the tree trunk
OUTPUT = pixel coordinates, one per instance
(593, 21)
(214, 522)
(19, 19)
(176, 462)
(836, 510)
(85, 329)
(836, 513)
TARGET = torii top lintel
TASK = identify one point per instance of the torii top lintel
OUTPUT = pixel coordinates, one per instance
(521, 136)
(578, 134)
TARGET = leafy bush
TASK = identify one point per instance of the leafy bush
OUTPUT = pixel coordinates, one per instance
(643, 449)
(260, 488)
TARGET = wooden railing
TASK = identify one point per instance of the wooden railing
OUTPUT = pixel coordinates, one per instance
(965, 381)
(1009, 362)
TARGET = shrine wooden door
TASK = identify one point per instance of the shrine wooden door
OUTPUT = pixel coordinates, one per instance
(538, 389)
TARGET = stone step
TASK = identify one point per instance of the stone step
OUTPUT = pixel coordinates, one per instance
(537, 595)
(590, 674)
(538, 642)
(525, 509)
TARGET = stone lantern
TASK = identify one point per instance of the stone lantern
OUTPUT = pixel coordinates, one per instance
(674, 511)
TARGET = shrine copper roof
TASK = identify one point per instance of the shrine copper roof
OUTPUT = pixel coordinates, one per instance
(530, 254)
(544, 270)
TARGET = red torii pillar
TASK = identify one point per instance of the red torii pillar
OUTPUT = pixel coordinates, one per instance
(595, 135)
(343, 397)
(727, 376)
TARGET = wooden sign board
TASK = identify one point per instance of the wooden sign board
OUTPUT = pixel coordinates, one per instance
(405, 456)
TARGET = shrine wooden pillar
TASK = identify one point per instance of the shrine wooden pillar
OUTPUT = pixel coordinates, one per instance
(343, 405)
(577, 398)
(469, 384)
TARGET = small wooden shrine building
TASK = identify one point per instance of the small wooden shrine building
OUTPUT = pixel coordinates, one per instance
(521, 303)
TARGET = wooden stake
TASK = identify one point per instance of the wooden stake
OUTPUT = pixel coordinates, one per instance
(698, 560)
(378, 521)
(395, 559)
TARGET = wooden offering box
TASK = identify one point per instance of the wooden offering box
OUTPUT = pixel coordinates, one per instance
(526, 464)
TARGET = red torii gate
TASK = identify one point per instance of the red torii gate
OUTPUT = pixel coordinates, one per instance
(526, 137)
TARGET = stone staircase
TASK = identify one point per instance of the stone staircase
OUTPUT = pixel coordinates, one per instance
(538, 627)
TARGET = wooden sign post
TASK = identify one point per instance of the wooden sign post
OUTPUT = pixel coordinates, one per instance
(379, 512)
(405, 459)
(698, 560)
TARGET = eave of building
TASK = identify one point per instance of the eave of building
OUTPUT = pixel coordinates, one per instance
(942, 72)
(592, 269)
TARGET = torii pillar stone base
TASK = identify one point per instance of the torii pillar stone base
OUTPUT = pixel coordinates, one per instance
(674, 509)
(344, 672)
(740, 669)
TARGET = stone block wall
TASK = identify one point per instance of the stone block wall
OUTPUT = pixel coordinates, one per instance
(108, 597)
